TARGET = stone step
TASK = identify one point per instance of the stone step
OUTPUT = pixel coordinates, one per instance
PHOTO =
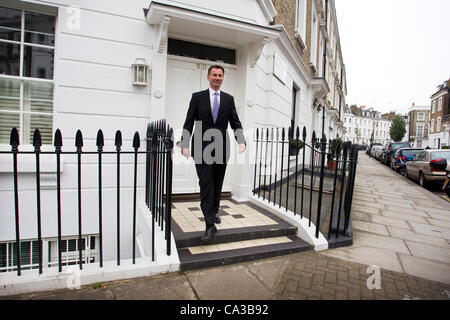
(213, 255)
(192, 239)
(246, 233)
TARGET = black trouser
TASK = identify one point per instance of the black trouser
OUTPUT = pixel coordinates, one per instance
(210, 180)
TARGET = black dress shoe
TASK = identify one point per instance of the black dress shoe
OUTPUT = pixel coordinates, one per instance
(217, 219)
(209, 234)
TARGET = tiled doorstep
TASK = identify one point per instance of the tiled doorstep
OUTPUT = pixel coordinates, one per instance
(215, 258)
(238, 245)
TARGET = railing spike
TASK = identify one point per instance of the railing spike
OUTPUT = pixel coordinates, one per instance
(37, 139)
(58, 139)
(136, 141)
(118, 140)
(14, 140)
(79, 140)
(100, 140)
(304, 133)
(297, 133)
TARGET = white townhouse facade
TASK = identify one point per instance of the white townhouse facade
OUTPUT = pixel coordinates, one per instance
(68, 65)
(363, 125)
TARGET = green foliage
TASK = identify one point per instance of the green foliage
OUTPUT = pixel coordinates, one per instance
(333, 148)
(398, 128)
(296, 144)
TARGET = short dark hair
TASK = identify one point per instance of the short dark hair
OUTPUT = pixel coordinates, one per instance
(216, 66)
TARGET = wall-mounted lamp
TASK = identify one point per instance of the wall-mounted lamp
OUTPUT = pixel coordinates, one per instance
(140, 71)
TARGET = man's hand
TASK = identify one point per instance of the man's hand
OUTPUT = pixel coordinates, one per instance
(242, 148)
(185, 152)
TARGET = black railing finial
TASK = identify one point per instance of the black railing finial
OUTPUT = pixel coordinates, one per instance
(37, 140)
(118, 140)
(58, 140)
(79, 140)
(136, 141)
(304, 133)
(14, 140)
(100, 143)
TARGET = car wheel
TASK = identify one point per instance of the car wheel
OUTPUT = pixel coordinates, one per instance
(422, 181)
(403, 172)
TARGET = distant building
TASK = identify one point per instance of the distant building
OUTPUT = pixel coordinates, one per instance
(418, 126)
(440, 117)
(363, 125)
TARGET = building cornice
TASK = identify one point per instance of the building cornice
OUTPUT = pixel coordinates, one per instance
(268, 8)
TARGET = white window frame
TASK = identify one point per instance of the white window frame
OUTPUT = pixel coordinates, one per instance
(432, 125)
(439, 104)
(71, 257)
(421, 126)
(50, 253)
(433, 107)
(300, 22)
(438, 124)
(22, 79)
(420, 116)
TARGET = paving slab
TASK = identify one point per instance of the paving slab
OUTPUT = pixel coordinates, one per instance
(390, 222)
(429, 252)
(385, 259)
(434, 231)
(404, 234)
(234, 282)
(370, 227)
(426, 268)
(362, 238)
(404, 216)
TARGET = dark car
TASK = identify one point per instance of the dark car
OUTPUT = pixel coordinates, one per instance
(401, 157)
(392, 148)
(370, 147)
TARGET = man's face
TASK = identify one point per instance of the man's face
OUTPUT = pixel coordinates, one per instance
(215, 78)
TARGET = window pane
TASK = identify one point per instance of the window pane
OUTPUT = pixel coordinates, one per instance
(32, 122)
(201, 51)
(39, 28)
(10, 24)
(38, 96)
(7, 122)
(9, 94)
(38, 63)
(9, 59)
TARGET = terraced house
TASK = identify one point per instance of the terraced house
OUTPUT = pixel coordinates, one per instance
(90, 65)
(440, 119)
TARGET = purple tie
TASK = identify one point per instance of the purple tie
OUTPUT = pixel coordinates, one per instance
(216, 106)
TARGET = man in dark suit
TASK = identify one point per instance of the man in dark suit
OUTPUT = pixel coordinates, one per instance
(211, 110)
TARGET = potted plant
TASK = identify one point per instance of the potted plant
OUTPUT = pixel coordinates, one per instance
(332, 155)
(294, 146)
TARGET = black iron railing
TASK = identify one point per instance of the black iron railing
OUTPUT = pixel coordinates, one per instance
(158, 186)
(313, 188)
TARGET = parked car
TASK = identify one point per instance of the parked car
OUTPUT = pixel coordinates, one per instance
(374, 150)
(371, 146)
(401, 157)
(391, 149)
(429, 165)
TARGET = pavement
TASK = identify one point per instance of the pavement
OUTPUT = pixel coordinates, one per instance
(401, 251)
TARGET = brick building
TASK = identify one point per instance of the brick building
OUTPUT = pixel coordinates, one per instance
(418, 126)
(440, 117)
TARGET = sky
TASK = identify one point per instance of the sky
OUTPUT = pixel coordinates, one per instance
(396, 52)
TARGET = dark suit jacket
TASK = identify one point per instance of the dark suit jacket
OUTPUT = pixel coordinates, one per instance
(200, 112)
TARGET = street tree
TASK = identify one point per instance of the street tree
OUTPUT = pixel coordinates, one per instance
(398, 128)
